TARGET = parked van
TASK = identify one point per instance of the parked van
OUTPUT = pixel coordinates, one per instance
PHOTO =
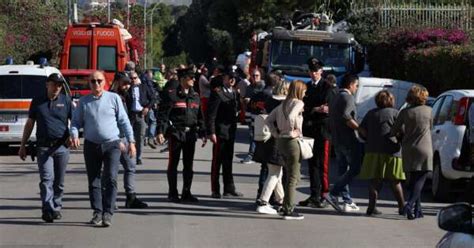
(370, 86)
(18, 85)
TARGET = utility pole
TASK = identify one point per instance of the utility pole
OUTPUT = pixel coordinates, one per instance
(144, 36)
(69, 12)
(108, 11)
(128, 14)
(151, 33)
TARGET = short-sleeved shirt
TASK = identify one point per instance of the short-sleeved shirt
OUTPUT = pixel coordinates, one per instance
(342, 109)
(378, 123)
(51, 117)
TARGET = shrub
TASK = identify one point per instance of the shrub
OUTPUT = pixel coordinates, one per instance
(441, 68)
(441, 59)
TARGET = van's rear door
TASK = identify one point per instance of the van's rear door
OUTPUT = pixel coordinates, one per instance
(16, 92)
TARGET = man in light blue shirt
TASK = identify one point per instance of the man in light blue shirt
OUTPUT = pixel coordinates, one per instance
(102, 116)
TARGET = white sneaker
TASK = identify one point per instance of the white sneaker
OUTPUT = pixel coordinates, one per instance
(267, 209)
(350, 207)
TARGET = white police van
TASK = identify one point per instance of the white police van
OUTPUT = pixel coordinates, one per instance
(18, 85)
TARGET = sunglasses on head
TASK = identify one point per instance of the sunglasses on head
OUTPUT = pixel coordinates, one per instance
(96, 81)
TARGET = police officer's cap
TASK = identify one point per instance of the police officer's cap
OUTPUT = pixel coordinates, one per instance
(55, 78)
(232, 72)
(314, 64)
(186, 72)
(122, 76)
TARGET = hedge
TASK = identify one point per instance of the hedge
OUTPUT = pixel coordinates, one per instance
(440, 59)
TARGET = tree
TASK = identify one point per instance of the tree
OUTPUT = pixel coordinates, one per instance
(31, 29)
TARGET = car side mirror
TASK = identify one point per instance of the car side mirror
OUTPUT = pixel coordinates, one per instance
(456, 218)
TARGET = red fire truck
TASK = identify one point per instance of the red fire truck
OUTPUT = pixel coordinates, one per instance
(93, 46)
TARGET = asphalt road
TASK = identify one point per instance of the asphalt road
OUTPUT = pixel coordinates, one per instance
(210, 223)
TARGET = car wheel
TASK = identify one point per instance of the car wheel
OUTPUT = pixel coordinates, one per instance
(440, 185)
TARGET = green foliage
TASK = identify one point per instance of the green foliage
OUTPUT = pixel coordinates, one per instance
(31, 29)
(237, 19)
(437, 58)
(174, 61)
(441, 68)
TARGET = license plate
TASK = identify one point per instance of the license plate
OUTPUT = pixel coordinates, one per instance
(8, 118)
(4, 128)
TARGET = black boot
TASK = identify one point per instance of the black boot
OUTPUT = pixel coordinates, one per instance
(186, 196)
(133, 202)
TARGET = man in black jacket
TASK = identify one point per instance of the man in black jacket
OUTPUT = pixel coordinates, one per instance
(181, 121)
(316, 125)
(139, 101)
(221, 122)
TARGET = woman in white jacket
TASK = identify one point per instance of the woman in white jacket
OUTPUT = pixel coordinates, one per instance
(285, 123)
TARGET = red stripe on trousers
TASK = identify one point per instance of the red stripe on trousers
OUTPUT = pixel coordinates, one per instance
(204, 102)
(214, 167)
(325, 172)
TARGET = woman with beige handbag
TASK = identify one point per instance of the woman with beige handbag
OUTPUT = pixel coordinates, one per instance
(287, 131)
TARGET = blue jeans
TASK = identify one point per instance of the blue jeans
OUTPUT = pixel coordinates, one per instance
(139, 126)
(252, 143)
(349, 162)
(129, 169)
(102, 188)
(151, 131)
(52, 165)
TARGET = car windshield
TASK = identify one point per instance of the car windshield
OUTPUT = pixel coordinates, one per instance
(293, 54)
(21, 86)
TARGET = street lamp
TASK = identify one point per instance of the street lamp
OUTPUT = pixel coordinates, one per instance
(151, 33)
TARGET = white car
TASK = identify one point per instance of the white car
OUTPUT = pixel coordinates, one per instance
(453, 157)
(18, 85)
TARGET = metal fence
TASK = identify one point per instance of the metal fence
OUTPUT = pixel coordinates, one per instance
(426, 15)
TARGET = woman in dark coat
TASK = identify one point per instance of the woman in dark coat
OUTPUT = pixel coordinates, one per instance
(382, 161)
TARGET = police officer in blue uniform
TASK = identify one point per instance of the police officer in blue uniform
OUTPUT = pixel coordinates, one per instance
(51, 113)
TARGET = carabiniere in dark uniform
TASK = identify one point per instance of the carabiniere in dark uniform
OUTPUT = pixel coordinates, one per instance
(221, 120)
(180, 120)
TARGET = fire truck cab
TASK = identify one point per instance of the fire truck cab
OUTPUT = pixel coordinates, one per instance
(94, 46)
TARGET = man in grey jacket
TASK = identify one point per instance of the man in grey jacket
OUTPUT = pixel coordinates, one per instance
(343, 125)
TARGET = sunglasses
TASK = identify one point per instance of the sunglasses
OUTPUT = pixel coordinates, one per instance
(134, 78)
(96, 81)
(256, 75)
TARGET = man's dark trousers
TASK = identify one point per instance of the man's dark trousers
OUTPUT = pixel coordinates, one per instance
(139, 127)
(318, 165)
(222, 155)
(102, 183)
(175, 147)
